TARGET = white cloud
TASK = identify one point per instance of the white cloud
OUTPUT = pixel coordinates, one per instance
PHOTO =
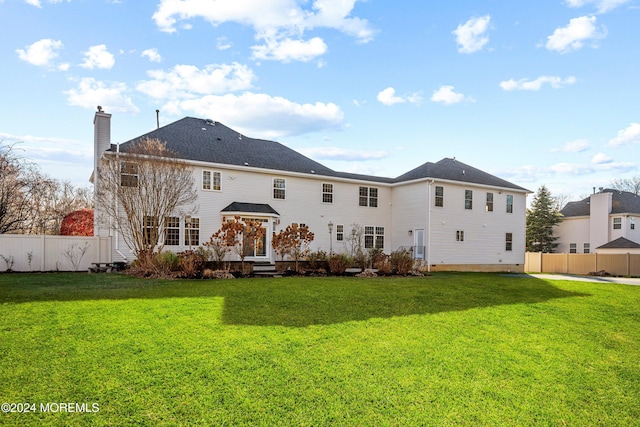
(91, 92)
(388, 97)
(262, 115)
(287, 50)
(98, 57)
(38, 3)
(337, 153)
(448, 96)
(188, 81)
(471, 36)
(602, 6)
(629, 135)
(281, 24)
(42, 53)
(600, 159)
(574, 35)
(152, 55)
(524, 84)
(577, 146)
(222, 43)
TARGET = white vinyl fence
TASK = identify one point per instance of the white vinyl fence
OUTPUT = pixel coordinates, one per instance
(19, 252)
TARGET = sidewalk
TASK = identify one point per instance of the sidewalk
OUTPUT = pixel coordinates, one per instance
(597, 279)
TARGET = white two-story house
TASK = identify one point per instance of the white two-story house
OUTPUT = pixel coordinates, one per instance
(607, 221)
(450, 214)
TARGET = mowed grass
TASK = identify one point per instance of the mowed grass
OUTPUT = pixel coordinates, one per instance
(450, 349)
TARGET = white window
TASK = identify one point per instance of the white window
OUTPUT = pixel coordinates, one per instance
(368, 197)
(573, 248)
(339, 232)
(327, 193)
(439, 196)
(373, 237)
(509, 203)
(459, 236)
(211, 180)
(587, 248)
(617, 223)
(508, 242)
(150, 230)
(632, 223)
(172, 231)
(128, 174)
(192, 231)
(489, 205)
(468, 199)
(279, 188)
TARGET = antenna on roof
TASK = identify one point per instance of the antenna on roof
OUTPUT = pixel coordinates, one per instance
(158, 119)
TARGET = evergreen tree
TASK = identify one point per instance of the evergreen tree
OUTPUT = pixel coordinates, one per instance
(541, 218)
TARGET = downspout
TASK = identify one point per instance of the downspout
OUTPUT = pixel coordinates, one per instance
(117, 249)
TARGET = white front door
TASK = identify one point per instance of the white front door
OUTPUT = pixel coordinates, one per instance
(418, 243)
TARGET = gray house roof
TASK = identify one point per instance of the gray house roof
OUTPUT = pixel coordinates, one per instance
(208, 141)
(620, 243)
(250, 208)
(622, 202)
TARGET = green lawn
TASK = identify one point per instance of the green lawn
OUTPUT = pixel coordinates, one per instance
(451, 349)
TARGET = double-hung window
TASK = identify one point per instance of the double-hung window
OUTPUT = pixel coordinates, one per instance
(617, 223)
(509, 203)
(211, 180)
(279, 188)
(489, 205)
(368, 196)
(192, 231)
(128, 174)
(439, 196)
(373, 237)
(508, 242)
(468, 199)
(327, 193)
(172, 231)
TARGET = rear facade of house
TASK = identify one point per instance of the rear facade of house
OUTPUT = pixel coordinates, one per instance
(449, 214)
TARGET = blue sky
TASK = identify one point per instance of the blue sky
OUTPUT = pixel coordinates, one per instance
(534, 92)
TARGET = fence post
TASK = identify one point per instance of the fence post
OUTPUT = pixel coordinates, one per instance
(42, 252)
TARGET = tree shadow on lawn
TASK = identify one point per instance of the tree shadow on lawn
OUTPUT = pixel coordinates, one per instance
(300, 302)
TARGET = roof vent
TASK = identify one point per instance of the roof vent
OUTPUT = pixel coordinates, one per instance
(210, 122)
(246, 163)
(204, 128)
(239, 136)
(312, 171)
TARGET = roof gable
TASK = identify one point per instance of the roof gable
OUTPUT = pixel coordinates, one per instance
(620, 243)
(622, 202)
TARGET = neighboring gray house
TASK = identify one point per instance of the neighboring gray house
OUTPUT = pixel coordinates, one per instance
(448, 213)
(607, 221)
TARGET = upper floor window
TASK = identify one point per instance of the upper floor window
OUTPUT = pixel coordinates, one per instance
(439, 196)
(468, 199)
(211, 180)
(632, 223)
(617, 223)
(489, 205)
(327, 193)
(128, 174)
(279, 188)
(508, 245)
(172, 231)
(509, 203)
(368, 197)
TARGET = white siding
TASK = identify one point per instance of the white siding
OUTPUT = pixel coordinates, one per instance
(572, 230)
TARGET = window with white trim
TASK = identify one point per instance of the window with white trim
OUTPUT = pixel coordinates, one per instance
(279, 188)
(150, 230)
(172, 231)
(468, 199)
(327, 193)
(617, 223)
(509, 203)
(128, 174)
(368, 196)
(573, 248)
(489, 205)
(587, 248)
(373, 237)
(339, 232)
(508, 245)
(211, 180)
(459, 235)
(439, 202)
(192, 231)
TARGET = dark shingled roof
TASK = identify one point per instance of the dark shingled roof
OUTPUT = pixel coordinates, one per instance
(250, 208)
(208, 141)
(622, 202)
(620, 243)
